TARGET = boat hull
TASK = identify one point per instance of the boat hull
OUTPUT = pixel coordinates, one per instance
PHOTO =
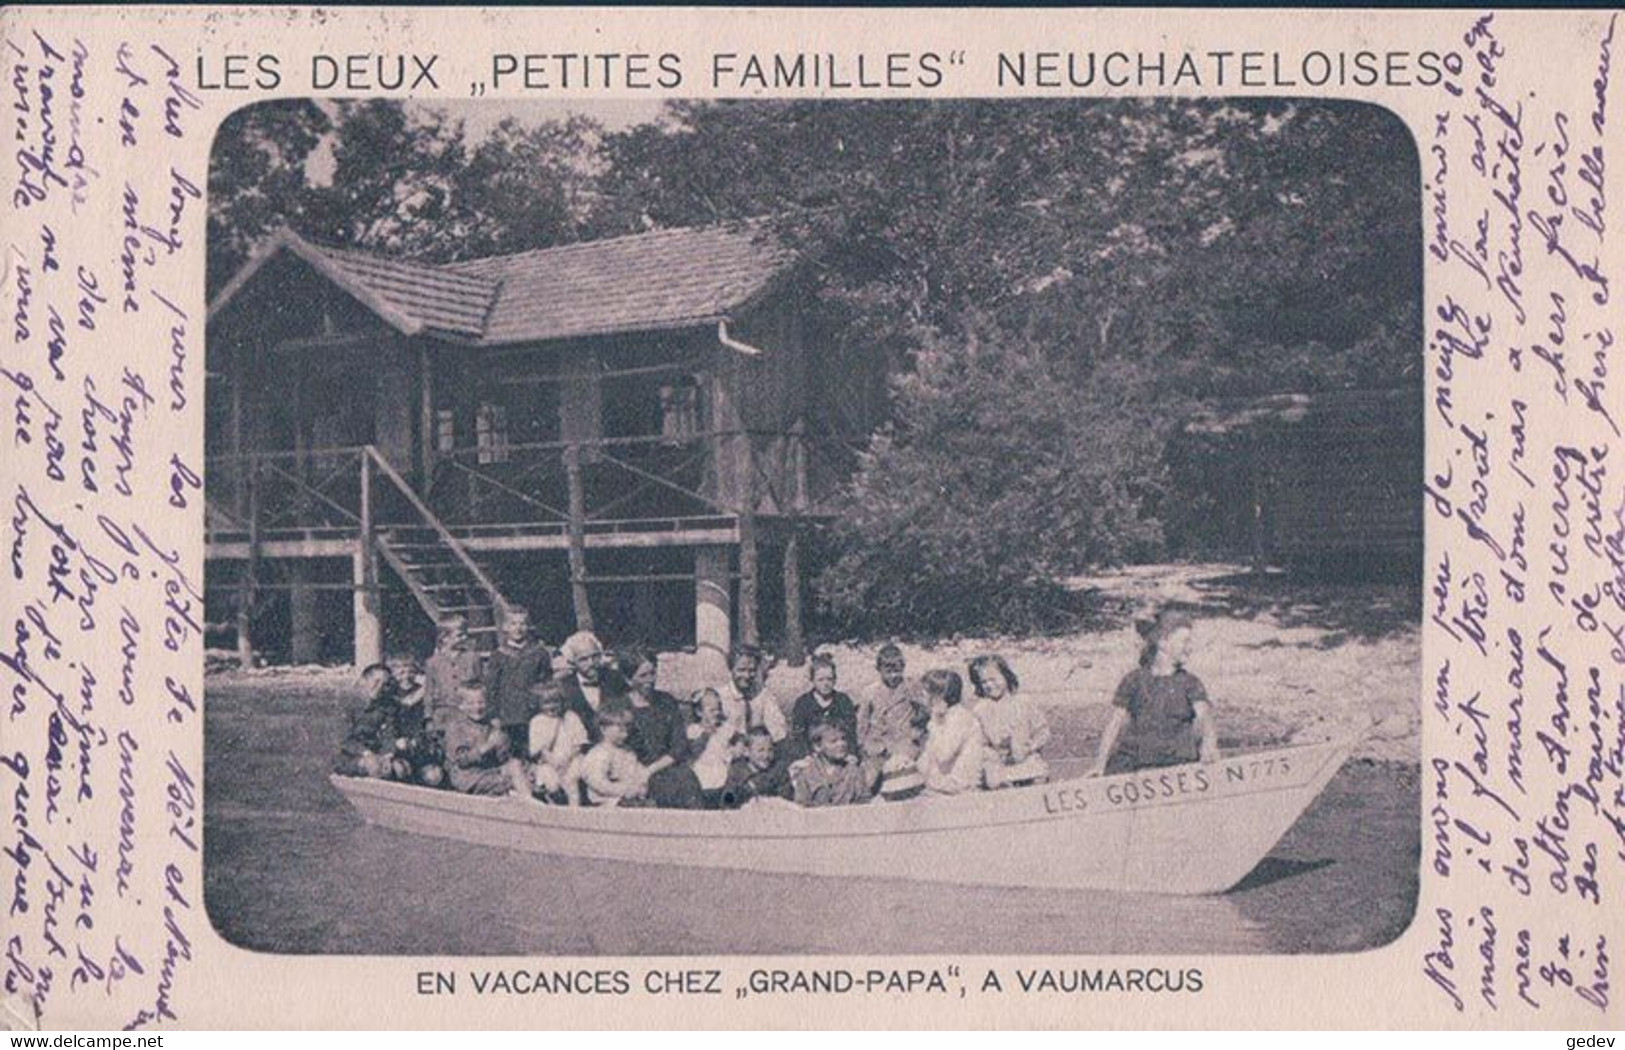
(1195, 829)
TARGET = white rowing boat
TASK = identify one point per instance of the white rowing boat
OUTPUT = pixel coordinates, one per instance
(1185, 830)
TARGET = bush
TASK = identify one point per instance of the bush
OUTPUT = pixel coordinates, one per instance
(1002, 474)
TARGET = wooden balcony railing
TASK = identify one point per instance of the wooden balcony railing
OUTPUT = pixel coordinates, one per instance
(604, 479)
(603, 482)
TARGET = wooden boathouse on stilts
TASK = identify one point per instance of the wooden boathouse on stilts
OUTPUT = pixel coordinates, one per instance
(629, 435)
(1324, 484)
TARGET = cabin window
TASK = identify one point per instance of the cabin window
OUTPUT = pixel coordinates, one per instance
(491, 432)
(631, 408)
(680, 411)
(530, 410)
(445, 430)
(661, 407)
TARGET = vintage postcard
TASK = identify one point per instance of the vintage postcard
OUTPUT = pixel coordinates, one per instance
(605, 517)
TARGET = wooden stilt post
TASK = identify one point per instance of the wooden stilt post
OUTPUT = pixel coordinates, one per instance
(245, 620)
(795, 640)
(426, 417)
(369, 635)
(305, 609)
(578, 539)
(1256, 467)
(749, 564)
(301, 434)
(246, 594)
(239, 504)
(713, 620)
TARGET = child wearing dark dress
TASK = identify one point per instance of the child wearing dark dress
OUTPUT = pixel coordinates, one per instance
(1161, 716)
(822, 703)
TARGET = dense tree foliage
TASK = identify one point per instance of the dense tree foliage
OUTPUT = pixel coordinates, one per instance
(1002, 471)
(1218, 237)
(1053, 283)
(378, 175)
(258, 179)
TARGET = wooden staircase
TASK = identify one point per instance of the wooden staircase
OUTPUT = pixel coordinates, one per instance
(436, 568)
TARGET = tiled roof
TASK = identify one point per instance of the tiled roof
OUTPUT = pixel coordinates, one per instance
(642, 282)
(440, 299)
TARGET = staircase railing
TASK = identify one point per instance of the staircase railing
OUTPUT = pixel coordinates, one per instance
(404, 572)
(310, 489)
(428, 517)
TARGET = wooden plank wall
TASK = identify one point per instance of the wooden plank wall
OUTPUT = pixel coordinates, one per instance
(1346, 481)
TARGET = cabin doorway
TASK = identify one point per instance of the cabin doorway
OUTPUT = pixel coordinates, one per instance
(343, 393)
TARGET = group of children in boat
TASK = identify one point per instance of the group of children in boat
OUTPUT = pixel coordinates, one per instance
(591, 728)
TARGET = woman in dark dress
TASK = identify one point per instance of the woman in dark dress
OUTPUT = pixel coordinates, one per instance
(659, 727)
(659, 735)
(1161, 714)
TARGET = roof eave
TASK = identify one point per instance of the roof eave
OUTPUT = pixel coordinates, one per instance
(286, 240)
(680, 325)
